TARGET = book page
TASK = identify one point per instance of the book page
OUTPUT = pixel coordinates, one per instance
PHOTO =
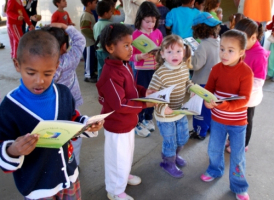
(192, 107)
(192, 43)
(161, 96)
(202, 92)
(144, 44)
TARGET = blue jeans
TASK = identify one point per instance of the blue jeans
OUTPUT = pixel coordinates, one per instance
(175, 134)
(216, 146)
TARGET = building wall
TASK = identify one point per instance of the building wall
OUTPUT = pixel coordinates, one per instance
(229, 8)
(46, 9)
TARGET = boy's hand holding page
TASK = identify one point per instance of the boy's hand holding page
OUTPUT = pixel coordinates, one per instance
(23, 145)
(95, 126)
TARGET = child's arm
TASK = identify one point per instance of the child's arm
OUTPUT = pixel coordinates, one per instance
(169, 20)
(69, 21)
(198, 61)
(86, 28)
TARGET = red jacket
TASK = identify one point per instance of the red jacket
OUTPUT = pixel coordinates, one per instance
(14, 10)
(271, 25)
(116, 87)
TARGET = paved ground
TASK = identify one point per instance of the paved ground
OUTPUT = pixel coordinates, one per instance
(156, 184)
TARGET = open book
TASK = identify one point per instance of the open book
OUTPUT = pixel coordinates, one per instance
(145, 44)
(55, 133)
(192, 43)
(161, 96)
(192, 107)
(207, 96)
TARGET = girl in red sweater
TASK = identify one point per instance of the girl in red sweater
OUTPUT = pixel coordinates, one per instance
(229, 116)
(116, 88)
(16, 14)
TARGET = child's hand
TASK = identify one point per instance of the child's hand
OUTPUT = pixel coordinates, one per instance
(20, 18)
(59, 25)
(211, 105)
(142, 56)
(23, 145)
(31, 28)
(272, 33)
(150, 91)
(149, 104)
(95, 127)
(168, 111)
(72, 24)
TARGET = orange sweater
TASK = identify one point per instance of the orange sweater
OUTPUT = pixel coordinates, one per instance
(226, 81)
(258, 10)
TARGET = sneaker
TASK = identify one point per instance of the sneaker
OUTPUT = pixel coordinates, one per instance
(122, 196)
(133, 180)
(242, 196)
(141, 130)
(194, 135)
(91, 80)
(206, 177)
(149, 125)
(268, 77)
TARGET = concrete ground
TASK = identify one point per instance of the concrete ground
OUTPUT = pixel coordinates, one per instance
(156, 184)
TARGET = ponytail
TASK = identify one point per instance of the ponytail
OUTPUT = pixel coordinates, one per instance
(260, 31)
(187, 56)
(159, 60)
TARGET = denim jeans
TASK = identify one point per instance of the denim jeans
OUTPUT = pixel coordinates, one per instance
(175, 134)
(216, 146)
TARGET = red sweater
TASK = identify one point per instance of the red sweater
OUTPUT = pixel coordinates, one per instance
(14, 10)
(116, 87)
(61, 17)
(225, 81)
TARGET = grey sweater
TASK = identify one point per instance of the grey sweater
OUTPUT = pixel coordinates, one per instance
(205, 57)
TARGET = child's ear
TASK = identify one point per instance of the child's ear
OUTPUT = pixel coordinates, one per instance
(110, 48)
(242, 53)
(63, 48)
(162, 54)
(16, 64)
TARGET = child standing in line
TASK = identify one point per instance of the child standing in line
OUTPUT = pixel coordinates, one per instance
(229, 117)
(39, 173)
(199, 5)
(87, 22)
(146, 23)
(173, 70)
(163, 11)
(68, 63)
(174, 18)
(104, 11)
(116, 87)
(206, 28)
(211, 6)
(234, 19)
(16, 14)
(223, 27)
(60, 15)
(270, 70)
(256, 57)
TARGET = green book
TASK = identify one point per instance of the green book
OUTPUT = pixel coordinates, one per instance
(145, 44)
(55, 133)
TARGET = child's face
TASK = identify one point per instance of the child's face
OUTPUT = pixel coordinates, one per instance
(220, 16)
(148, 24)
(173, 54)
(92, 5)
(122, 50)
(200, 6)
(37, 73)
(62, 4)
(107, 15)
(230, 51)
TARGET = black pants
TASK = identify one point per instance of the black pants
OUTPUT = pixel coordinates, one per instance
(250, 115)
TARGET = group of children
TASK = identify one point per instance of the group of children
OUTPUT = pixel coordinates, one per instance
(46, 66)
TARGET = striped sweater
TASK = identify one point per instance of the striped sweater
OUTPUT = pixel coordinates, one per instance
(167, 76)
(226, 81)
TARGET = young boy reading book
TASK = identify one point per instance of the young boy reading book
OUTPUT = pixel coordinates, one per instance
(38, 172)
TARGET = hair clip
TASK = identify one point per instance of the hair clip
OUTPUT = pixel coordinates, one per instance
(234, 16)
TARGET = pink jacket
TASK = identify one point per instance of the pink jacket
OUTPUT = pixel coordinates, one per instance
(156, 36)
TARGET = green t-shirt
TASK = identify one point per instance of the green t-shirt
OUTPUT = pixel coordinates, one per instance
(98, 27)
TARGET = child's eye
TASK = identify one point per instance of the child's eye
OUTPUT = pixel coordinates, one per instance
(179, 51)
(31, 74)
(230, 51)
(47, 74)
(169, 52)
(221, 49)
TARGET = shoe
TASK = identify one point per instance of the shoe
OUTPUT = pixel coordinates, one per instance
(149, 125)
(2, 46)
(228, 149)
(122, 196)
(180, 162)
(206, 177)
(170, 167)
(91, 80)
(133, 180)
(141, 130)
(194, 135)
(268, 77)
(242, 196)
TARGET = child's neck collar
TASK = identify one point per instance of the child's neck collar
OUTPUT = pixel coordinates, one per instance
(60, 9)
(169, 66)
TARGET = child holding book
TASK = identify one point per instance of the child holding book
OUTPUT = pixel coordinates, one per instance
(229, 117)
(39, 172)
(116, 88)
(16, 14)
(104, 11)
(60, 15)
(146, 23)
(173, 69)
(206, 28)
(174, 18)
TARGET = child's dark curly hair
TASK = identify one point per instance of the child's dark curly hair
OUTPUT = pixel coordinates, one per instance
(211, 4)
(203, 31)
(113, 33)
(147, 9)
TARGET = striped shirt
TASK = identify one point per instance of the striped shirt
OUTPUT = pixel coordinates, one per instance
(226, 81)
(167, 76)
